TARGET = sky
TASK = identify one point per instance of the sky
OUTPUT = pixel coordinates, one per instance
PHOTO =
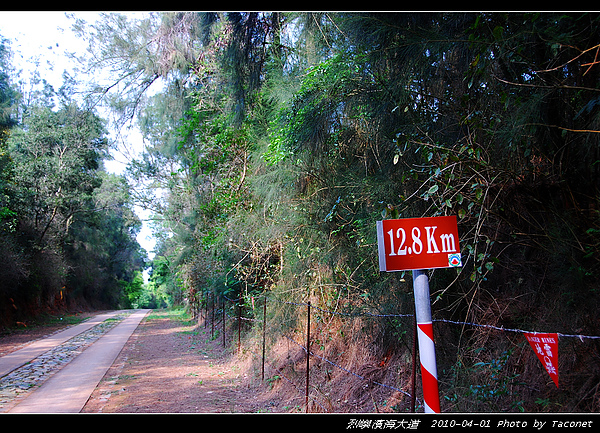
(43, 39)
(43, 34)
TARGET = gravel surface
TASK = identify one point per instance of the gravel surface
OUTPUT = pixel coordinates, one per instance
(19, 383)
(168, 365)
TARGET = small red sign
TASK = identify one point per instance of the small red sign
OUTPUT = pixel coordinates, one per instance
(418, 243)
(545, 347)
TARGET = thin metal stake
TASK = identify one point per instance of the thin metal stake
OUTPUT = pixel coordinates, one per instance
(307, 353)
(206, 311)
(263, 338)
(413, 386)
(239, 325)
(223, 324)
(199, 311)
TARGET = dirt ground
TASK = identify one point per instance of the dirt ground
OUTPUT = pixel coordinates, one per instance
(173, 366)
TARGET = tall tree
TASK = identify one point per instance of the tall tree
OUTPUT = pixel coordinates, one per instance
(56, 156)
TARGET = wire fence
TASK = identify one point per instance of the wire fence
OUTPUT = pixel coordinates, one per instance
(209, 316)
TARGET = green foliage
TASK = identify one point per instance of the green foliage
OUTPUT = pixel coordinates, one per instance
(486, 386)
(67, 228)
(133, 290)
(499, 382)
(291, 134)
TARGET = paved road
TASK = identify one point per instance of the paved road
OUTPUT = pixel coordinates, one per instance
(28, 353)
(70, 388)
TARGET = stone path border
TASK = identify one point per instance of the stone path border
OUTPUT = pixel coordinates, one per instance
(16, 359)
(94, 351)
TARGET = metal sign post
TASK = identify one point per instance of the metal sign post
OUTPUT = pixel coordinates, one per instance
(417, 244)
(426, 346)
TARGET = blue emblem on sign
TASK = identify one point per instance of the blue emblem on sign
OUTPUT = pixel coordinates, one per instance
(454, 260)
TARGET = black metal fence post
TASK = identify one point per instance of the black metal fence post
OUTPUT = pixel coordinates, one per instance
(307, 353)
(264, 330)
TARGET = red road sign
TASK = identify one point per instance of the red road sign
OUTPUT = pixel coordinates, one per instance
(418, 243)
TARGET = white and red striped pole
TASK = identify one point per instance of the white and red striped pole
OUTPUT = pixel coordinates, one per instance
(426, 347)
